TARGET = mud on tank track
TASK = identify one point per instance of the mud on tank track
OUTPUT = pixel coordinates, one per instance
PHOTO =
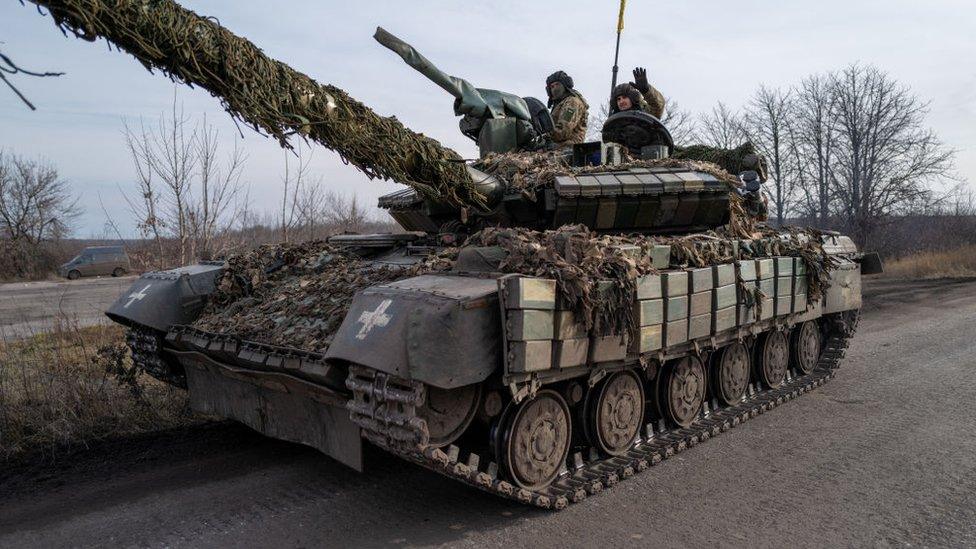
(590, 474)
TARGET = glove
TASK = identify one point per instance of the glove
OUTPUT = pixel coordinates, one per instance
(640, 80)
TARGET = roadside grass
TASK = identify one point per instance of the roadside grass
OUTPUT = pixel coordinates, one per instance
(70, 386)
(954, 263)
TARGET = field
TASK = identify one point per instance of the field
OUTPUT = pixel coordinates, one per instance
(954, 263)
(74, 385)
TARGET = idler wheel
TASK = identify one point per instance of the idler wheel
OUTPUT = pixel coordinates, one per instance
(773, 359)
(615, 413)
(682, 390)
(806, 347)
(731, 375)
(448, 412)
(535, 441)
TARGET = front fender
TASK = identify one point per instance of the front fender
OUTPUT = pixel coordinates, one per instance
(441, 330)
(161, 299)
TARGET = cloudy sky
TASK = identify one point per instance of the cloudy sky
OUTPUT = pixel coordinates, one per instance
(697, 52)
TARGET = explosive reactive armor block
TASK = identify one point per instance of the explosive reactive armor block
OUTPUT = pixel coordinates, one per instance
(572, 344)
(651, 338)
(529, 323)
(530, 293)
(529, 356)
(640, 199)
(569, 353)
(608, 348)
(650, 287)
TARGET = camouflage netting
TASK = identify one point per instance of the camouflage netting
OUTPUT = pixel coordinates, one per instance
(295, 295)
(731, 160)
(267, 94)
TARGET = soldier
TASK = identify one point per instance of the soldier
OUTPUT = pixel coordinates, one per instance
(569, 110)
(640, 95)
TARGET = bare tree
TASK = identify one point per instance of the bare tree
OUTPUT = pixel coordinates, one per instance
(594, 126)
(7, 66)
(813, 142)
(680, 123)
(766, 124)
(36, 207)
(185, 193)
(344, 215)
(219, 187)
(294, 183)
(145, 208)
(886, 157)
(721, 128)
(174, 161)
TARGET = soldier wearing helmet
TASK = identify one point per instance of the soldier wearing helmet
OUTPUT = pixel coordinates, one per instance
(569, 110)
(638, 95)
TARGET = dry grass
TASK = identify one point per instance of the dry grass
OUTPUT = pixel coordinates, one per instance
(957, 262)
(74, 385)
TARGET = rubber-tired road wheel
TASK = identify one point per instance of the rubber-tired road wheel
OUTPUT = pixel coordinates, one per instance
(731, 375)
(805, 347)
(773, 357)
(448, 412)
(682, 390)
(536, 440)
(615, 413)
(74, 275)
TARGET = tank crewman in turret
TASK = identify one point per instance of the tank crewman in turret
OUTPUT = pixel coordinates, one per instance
(639, 95)
(569, 110)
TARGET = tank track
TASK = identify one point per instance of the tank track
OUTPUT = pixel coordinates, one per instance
(384, 407)
(145, 346)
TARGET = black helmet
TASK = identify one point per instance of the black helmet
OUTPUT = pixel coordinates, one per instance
(561, 77)
(626, 89)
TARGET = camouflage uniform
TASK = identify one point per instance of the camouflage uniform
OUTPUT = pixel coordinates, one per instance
(569, 117)
(652, 102)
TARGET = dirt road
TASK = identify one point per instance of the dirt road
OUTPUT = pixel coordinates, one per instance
(885, 454)
(32, 307)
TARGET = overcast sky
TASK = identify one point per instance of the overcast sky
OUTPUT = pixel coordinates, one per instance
(697, 53)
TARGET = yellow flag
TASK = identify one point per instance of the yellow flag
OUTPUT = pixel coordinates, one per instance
(620, 18)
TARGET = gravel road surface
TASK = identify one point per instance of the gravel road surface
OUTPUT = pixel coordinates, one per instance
(883, 455)
(32, 307)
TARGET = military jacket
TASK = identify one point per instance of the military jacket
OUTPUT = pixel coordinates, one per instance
(652, 102)
(569, 119)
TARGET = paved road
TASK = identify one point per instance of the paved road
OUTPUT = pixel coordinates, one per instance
(884, 455)
(31, 307)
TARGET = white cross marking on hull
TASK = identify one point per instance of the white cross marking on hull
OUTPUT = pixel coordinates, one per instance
(371, 319)
(137, 296)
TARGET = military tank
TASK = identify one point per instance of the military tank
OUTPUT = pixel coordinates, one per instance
(589, 313)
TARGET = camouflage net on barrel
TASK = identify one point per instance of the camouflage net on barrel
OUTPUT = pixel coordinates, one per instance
(267, 94)
(296, 295)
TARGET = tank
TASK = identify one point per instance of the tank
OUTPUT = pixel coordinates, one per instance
(604, 308)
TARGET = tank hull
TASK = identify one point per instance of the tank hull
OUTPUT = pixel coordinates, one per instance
(480, 330)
